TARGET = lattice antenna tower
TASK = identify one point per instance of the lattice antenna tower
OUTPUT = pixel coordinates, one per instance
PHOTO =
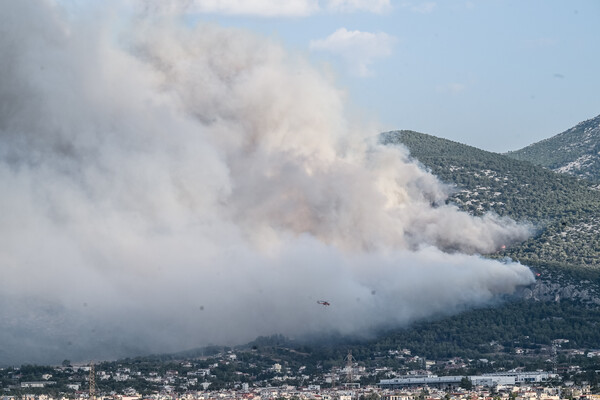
(92, 380)
(349, 359)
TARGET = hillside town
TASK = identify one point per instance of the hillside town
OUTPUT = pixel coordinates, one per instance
(230, 375)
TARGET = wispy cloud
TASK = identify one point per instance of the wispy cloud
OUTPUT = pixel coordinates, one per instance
(266, 8)
(358, 49)
(374, 6)
(425, 7)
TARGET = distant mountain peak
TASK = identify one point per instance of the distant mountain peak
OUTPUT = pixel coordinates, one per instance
(575, 151)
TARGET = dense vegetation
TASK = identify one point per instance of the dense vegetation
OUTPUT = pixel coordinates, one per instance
(565, 210)
(496, 332)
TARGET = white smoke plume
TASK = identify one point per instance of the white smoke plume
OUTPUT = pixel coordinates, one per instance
(165, 187)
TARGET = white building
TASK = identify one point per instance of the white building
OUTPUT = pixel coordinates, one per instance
(501, 378)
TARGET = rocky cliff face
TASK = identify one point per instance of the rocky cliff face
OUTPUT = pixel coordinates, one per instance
(585, 292)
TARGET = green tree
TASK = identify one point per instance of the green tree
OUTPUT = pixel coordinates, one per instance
(466, 383)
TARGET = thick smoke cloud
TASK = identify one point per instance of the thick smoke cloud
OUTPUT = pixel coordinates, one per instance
(165, 187)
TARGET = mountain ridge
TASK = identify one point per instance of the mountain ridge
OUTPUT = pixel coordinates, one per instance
(564, 209)
(575, 151)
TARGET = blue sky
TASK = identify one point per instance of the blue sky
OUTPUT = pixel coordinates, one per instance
(496, 74)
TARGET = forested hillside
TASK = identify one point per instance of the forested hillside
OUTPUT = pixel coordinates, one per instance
(575, 151)
(549, 324)
(565, 210)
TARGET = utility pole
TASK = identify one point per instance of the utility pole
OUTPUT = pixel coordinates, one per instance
(554, 357)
